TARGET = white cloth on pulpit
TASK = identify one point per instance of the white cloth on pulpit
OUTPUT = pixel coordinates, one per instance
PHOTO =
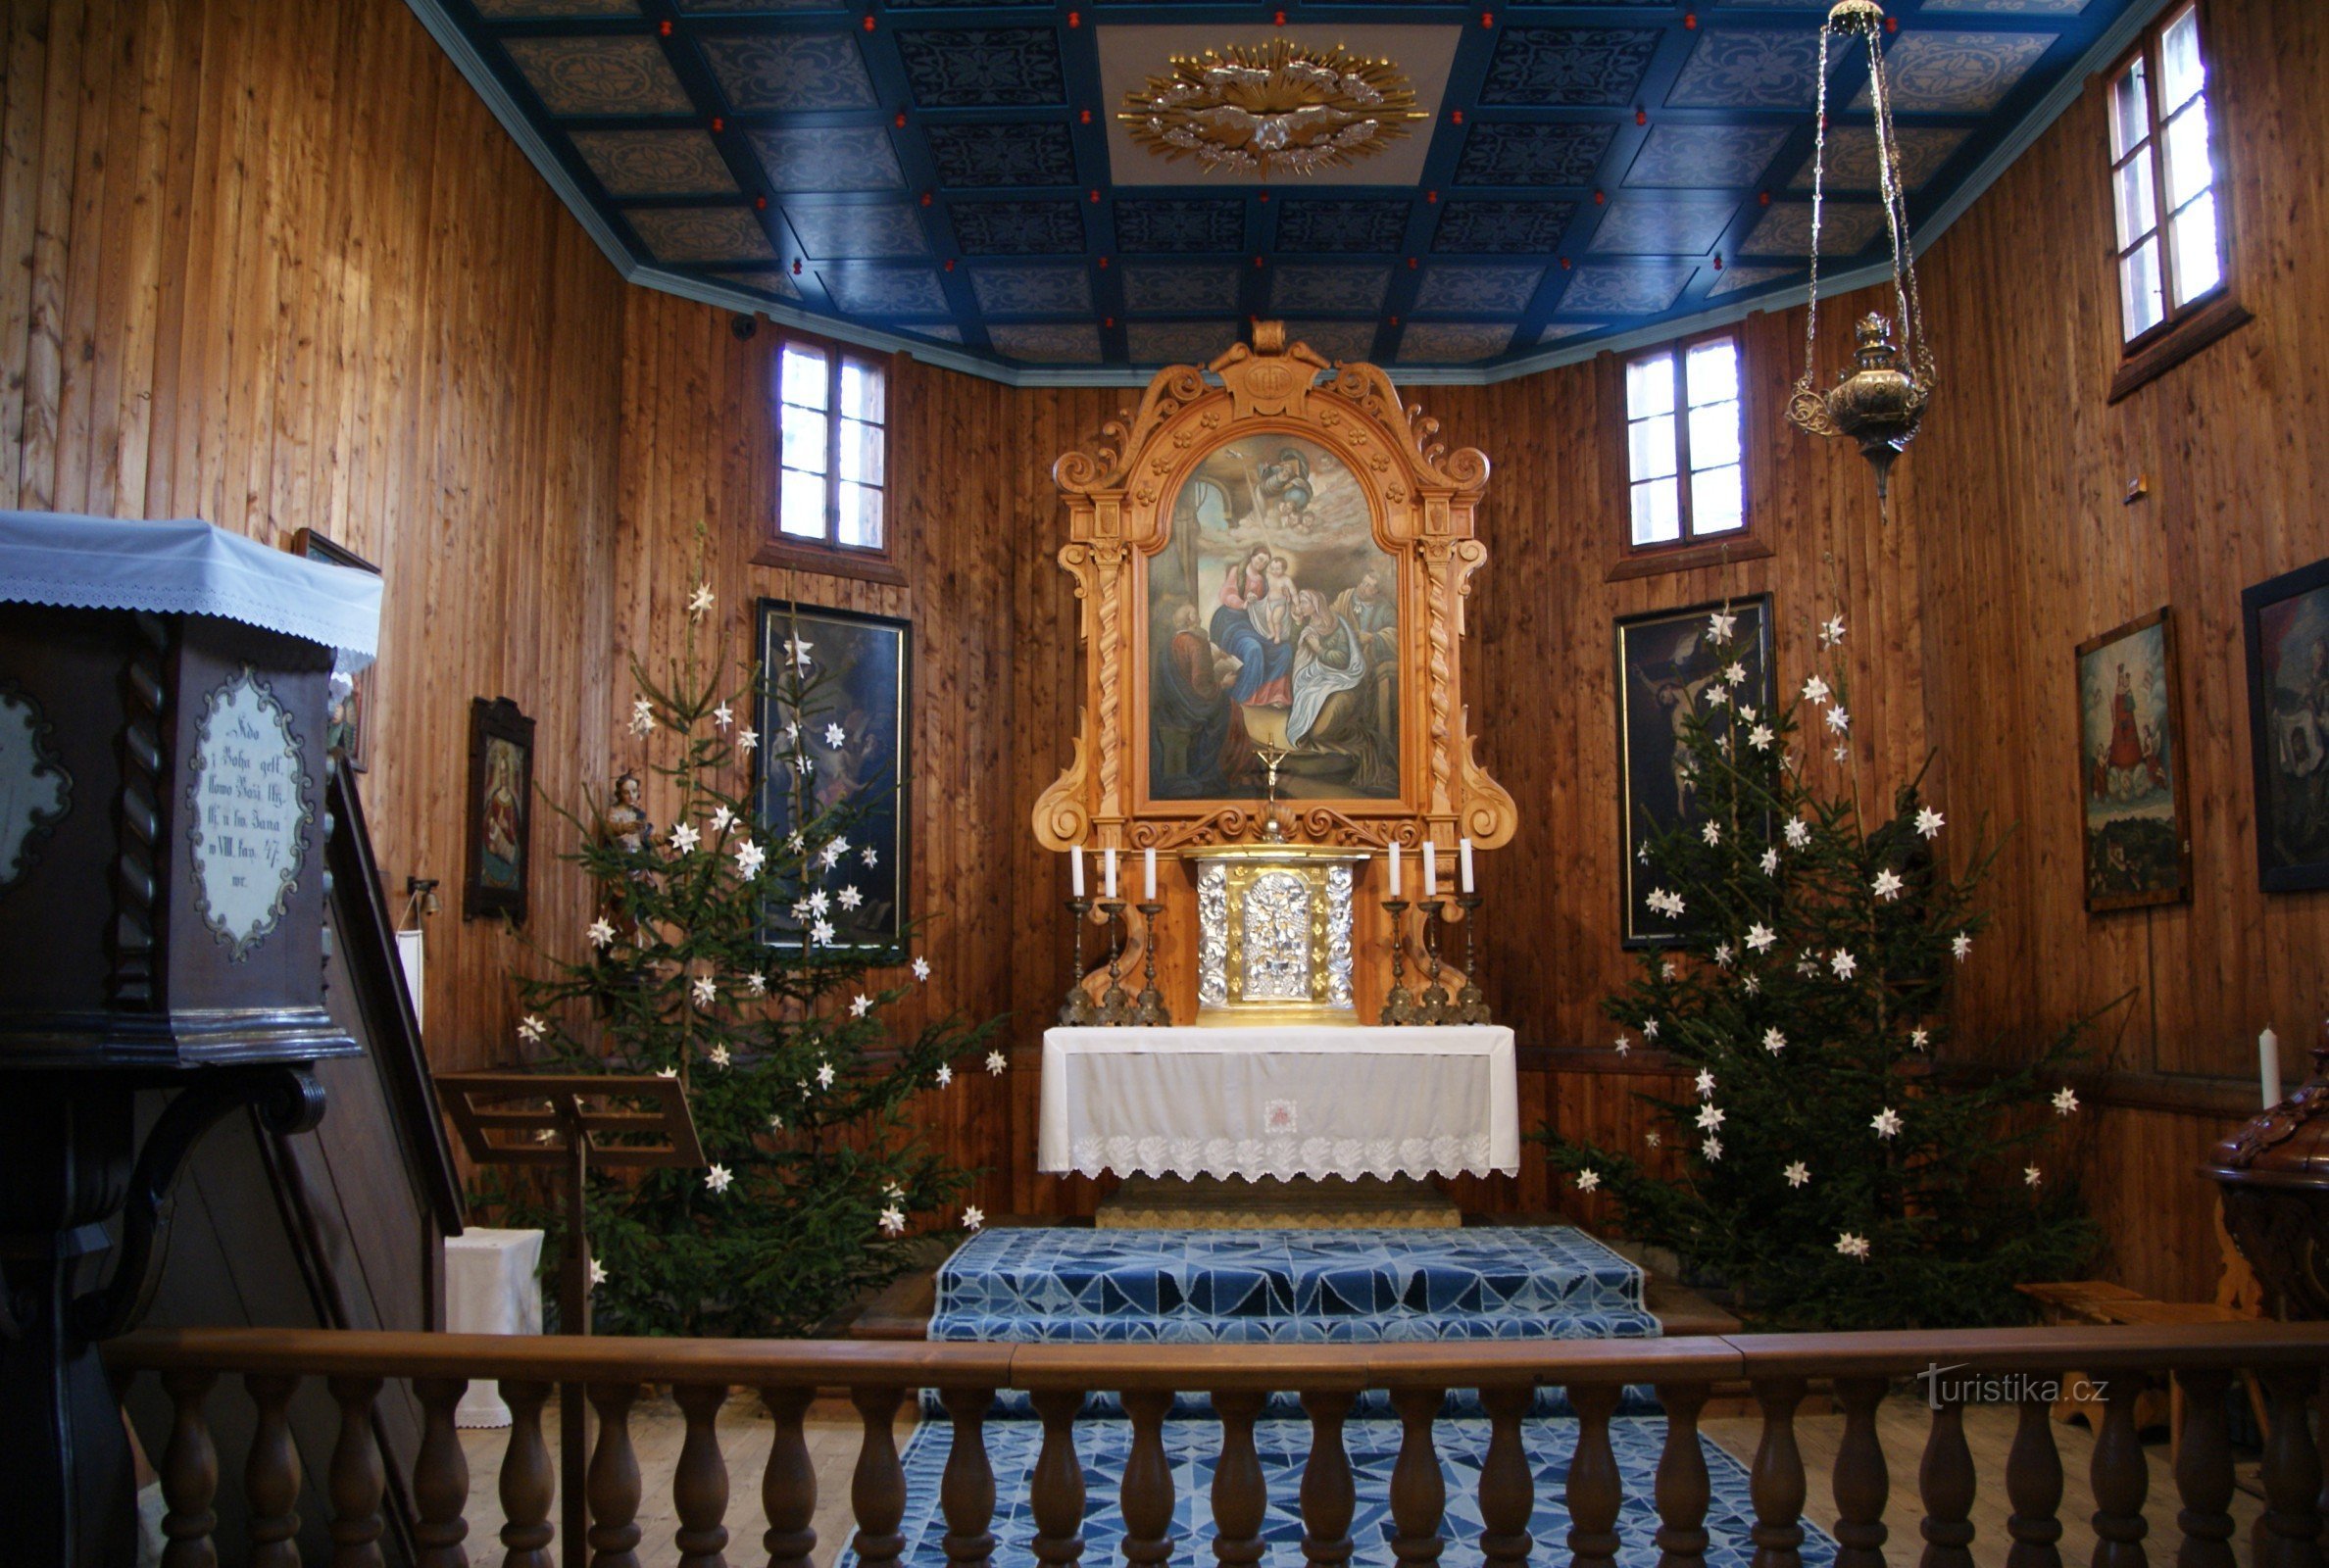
(184, 566)
(1283, 1100)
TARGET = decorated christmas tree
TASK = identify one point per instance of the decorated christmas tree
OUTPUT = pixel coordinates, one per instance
(724, 953)
(1835, 1163)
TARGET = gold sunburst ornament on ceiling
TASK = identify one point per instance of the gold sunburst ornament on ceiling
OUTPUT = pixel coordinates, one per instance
(1280, 109)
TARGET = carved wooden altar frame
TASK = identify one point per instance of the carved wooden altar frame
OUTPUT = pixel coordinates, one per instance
(1424, 500)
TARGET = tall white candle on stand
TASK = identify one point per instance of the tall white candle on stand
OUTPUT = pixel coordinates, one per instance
(1148, 876)
(1108, 871)
(1463, 882)
(1075, 883)
(1430, 869)
(1395, 868)
(2268, 1059)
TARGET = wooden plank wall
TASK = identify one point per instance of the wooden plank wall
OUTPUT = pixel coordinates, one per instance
(2015, 494)
(274, 264)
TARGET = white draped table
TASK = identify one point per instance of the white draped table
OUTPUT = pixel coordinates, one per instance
(1284, 1101)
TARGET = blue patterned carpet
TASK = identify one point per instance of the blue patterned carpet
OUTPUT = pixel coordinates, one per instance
(1373, 1446)
(1287, 1286)
(1026, 1286)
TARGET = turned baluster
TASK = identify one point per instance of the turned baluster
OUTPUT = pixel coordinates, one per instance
(1419, 1491)
(1944, 1480)
(440, 1477)
(1508, 1486)
(1240, 1495)
(1056, 1491)
(877, 1487)
(1862, 1481)
(357, 1477)
(613, 1483)
(1594, 1490)
(2204, 1471)
(2292, 1476)
(2119, 1478)
(189, 1472)
(1682, 1489)
(1329, 1495)
(271, 1473)
(967, 1492)
(788, 1486)
(2034, 1486)
(700, 1480)
(529, 1482)
(1147, 1498)
(1776, 1483)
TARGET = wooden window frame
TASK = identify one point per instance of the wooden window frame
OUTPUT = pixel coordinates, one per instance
(829, 555)
(2193, 325)
(1690, 551)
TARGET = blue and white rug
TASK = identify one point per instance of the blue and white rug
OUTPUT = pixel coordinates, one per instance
(1284, 1446)
(1302, 1287)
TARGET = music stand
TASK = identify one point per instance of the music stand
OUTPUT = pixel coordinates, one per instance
(556, 1126)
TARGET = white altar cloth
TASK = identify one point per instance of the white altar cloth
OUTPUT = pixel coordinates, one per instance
(1285, 1102)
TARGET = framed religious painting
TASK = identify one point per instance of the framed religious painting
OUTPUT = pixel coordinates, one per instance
(1274, 630)
(838, 756)
(2130, 767)
(344, 725)
(499, 853)
(2287, 623)
(1668, 662)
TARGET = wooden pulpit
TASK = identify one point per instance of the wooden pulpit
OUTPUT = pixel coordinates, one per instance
(163, 758)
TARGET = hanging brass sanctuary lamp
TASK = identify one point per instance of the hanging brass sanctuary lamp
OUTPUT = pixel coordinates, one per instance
(1881, 399)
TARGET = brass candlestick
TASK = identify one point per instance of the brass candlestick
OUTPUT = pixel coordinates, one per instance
(1436, 1006)
(1148, 1008)
(1399, 1007)
(1472, 1004)
(1114, 1006)
(1076, 1011)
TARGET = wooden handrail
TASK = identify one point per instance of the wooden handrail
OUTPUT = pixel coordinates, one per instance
(2118, 1361)
(1450, 1363)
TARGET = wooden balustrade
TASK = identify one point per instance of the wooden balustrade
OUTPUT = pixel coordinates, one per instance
(197, 1366)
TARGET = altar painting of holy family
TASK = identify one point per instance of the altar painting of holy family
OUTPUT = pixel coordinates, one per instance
(1274, 624)
(2130, 756)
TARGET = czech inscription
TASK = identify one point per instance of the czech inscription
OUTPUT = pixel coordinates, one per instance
(250, 811)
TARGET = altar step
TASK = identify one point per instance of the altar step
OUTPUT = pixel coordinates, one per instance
(1327, 1202)
(904, 1311)
(1288, 1286)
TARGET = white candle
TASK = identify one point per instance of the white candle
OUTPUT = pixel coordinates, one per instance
(1464, 881)
(1395, 868)
(2268, 1059)
(1148, 876)
(1108, 871)
(1075, 883)
(1430, 869)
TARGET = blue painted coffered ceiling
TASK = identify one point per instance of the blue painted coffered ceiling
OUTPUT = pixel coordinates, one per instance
(948, 175)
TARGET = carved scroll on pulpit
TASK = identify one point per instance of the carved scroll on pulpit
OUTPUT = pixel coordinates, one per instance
(1272, 558)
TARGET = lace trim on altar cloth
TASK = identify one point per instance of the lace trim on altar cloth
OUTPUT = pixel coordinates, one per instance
(1286, 1158)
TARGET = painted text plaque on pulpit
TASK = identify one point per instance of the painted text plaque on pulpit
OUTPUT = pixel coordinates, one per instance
(250, 812)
